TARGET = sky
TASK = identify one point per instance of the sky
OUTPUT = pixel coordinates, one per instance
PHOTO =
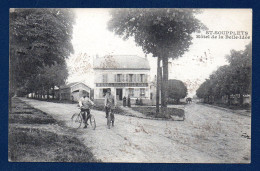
(91, 38)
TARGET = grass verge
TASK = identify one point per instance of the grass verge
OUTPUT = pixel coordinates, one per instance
(151, 111)
(35, 145)
(30, 141)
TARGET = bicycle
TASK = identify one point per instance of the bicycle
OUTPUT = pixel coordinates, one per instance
(110, 118)
(77, 120)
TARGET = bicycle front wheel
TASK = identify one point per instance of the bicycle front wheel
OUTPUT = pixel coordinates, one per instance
(108, 121)
(76, 121)
(92, 122)
(112, 119)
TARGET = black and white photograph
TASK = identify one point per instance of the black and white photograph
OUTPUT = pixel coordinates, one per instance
(130, 85)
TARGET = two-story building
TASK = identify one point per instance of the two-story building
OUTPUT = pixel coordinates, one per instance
(125, 75)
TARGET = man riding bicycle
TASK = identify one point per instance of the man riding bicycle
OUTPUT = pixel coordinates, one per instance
(85, 103)
(110, 101)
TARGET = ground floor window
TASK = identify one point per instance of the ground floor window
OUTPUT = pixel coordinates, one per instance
(142, 92)
(131, 92)
(104, 92)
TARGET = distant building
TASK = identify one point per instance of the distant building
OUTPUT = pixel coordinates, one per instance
(125, 75)
(73, 91)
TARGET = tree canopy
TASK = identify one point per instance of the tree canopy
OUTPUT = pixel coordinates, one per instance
(162, 32)
(39, 38)
(165, 33)
(231, 79)
(177, 89)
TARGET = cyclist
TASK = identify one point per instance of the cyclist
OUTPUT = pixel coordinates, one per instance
(85, 103)
(110, 101)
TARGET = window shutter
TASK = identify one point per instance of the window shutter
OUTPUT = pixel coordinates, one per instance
(136, 92)
(126, 78)
(134, 77)
(123, 77)
(146, 92)
(115, 78)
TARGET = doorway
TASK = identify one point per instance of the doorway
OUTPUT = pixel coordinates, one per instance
(119, 93)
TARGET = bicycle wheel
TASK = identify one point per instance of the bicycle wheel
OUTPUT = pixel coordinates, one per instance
(76, 121)
(108, 120)
(112, 119)
(92, 122)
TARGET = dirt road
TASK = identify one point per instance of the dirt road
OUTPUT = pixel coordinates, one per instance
(208, 135)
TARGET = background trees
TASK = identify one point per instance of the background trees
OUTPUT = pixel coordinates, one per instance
(232, 79)
(165, 33)
(40, 41)
(177, 90)
(204, 91)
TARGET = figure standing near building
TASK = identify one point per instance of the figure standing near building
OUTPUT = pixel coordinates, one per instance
(129, 101)
(110, 101)
(124, 101)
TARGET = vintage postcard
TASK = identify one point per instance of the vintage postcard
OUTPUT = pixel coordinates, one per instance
(130, 85)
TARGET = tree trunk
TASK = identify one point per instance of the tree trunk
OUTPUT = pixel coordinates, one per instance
(164, 90)
(241, 99)
(59, 93)
(229, 103)
(48, 93)
(43, 93)
(40, 94)
(53, 92)
(158, 82)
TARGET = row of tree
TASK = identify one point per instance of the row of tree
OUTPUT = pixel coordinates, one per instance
(165, 33)
(40, 42)
(229, 80)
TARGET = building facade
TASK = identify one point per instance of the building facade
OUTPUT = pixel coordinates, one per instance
(125, 75)
(73, 91)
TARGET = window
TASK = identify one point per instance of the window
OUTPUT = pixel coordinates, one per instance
(104, 76)
(142, 92)
(119, 78)
(104, 92)
(131, 92)
(142, 78)
(130, 78)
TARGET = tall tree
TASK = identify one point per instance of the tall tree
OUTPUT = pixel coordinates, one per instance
(38, 37)
(204, 91)
(232, 79)
(165, 33)
(241, 66)
(48, 77)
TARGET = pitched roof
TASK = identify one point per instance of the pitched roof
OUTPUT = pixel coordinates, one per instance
(72, 84)
(121, 62)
